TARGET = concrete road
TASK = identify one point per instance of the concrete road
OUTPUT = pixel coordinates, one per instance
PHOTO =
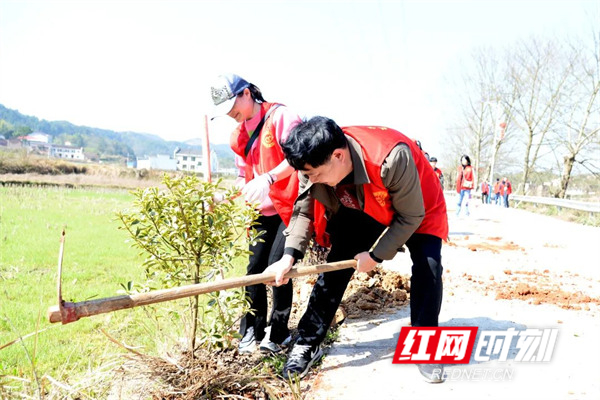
(492, 250)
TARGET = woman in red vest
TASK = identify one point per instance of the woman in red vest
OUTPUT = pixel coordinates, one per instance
(366, 191)
(464, 184)
(506, 191)
(272, 185)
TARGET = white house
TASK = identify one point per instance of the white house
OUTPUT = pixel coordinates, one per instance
(193, 160)
(37, 137)
(64, 151)
(160, 161)
(188, 160)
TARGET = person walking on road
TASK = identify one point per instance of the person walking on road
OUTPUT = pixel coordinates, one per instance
(506, 191)
(464, 184)
(356, 182)
(497, 191)
(433, 162)
(272, 185)
(485, 191)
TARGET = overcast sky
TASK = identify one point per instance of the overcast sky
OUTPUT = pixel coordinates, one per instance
(145, 66)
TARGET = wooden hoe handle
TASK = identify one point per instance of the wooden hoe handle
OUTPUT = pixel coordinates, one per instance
(67, 312)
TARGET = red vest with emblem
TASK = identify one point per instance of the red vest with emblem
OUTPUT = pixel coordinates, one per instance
(284, 191)
(376, 144)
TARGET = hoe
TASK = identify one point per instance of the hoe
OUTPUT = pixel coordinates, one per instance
(67, 312)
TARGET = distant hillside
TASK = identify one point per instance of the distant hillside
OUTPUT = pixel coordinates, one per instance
(101, 141)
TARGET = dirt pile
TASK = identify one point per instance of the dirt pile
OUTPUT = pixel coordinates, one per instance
(540, 288)
(536, 287)
(375, 292)
(367, 294)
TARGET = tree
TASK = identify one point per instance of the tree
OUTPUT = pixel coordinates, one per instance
(21, 131)
(538, 75)
(578, 134)
(6, 129)
(484, 106)
(78, 140)
(188, 237)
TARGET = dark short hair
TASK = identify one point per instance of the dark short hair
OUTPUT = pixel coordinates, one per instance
(312, 142)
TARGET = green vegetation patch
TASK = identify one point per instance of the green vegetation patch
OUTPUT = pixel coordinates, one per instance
(96, 260)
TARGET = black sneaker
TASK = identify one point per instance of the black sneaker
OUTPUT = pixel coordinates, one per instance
(301, 358)
(433, 373)
(269, 347)
(248, 342)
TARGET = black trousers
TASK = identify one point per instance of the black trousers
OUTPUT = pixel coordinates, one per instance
(351, 232)
(264, 253)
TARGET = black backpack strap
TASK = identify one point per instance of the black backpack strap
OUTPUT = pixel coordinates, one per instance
(258, 129)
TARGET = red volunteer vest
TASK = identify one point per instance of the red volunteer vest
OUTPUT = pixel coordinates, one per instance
(284, 191)
(376, 144)
(464, 174)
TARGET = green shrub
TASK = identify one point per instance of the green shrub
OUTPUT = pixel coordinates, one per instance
(189, 237)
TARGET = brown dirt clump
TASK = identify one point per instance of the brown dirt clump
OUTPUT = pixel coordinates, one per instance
(539, 288)
(493, 244)
(372, 293)
(561, 298)
(495, 247)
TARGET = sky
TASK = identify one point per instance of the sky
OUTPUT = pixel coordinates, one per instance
(146, 66)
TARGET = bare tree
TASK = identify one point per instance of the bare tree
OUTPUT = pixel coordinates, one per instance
(475, 129)
(538, 76)
(579, 131)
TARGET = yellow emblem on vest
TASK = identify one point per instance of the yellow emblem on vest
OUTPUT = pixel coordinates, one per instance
(268, 140)
(381, 197)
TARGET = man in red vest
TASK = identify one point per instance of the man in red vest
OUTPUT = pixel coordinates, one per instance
(354, 183)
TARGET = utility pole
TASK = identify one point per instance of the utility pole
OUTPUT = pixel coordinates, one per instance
(206, 152)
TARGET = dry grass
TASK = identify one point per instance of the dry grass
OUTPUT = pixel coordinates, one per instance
(208, 375)
(20, 168)
(30, 169)
(77, 180)
(203, 375)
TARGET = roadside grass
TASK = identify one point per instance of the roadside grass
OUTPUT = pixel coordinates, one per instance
(97, 260)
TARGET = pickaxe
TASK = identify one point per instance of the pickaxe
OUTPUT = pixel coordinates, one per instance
(67, 312)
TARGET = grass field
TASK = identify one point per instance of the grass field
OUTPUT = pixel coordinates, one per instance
(97, 260)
